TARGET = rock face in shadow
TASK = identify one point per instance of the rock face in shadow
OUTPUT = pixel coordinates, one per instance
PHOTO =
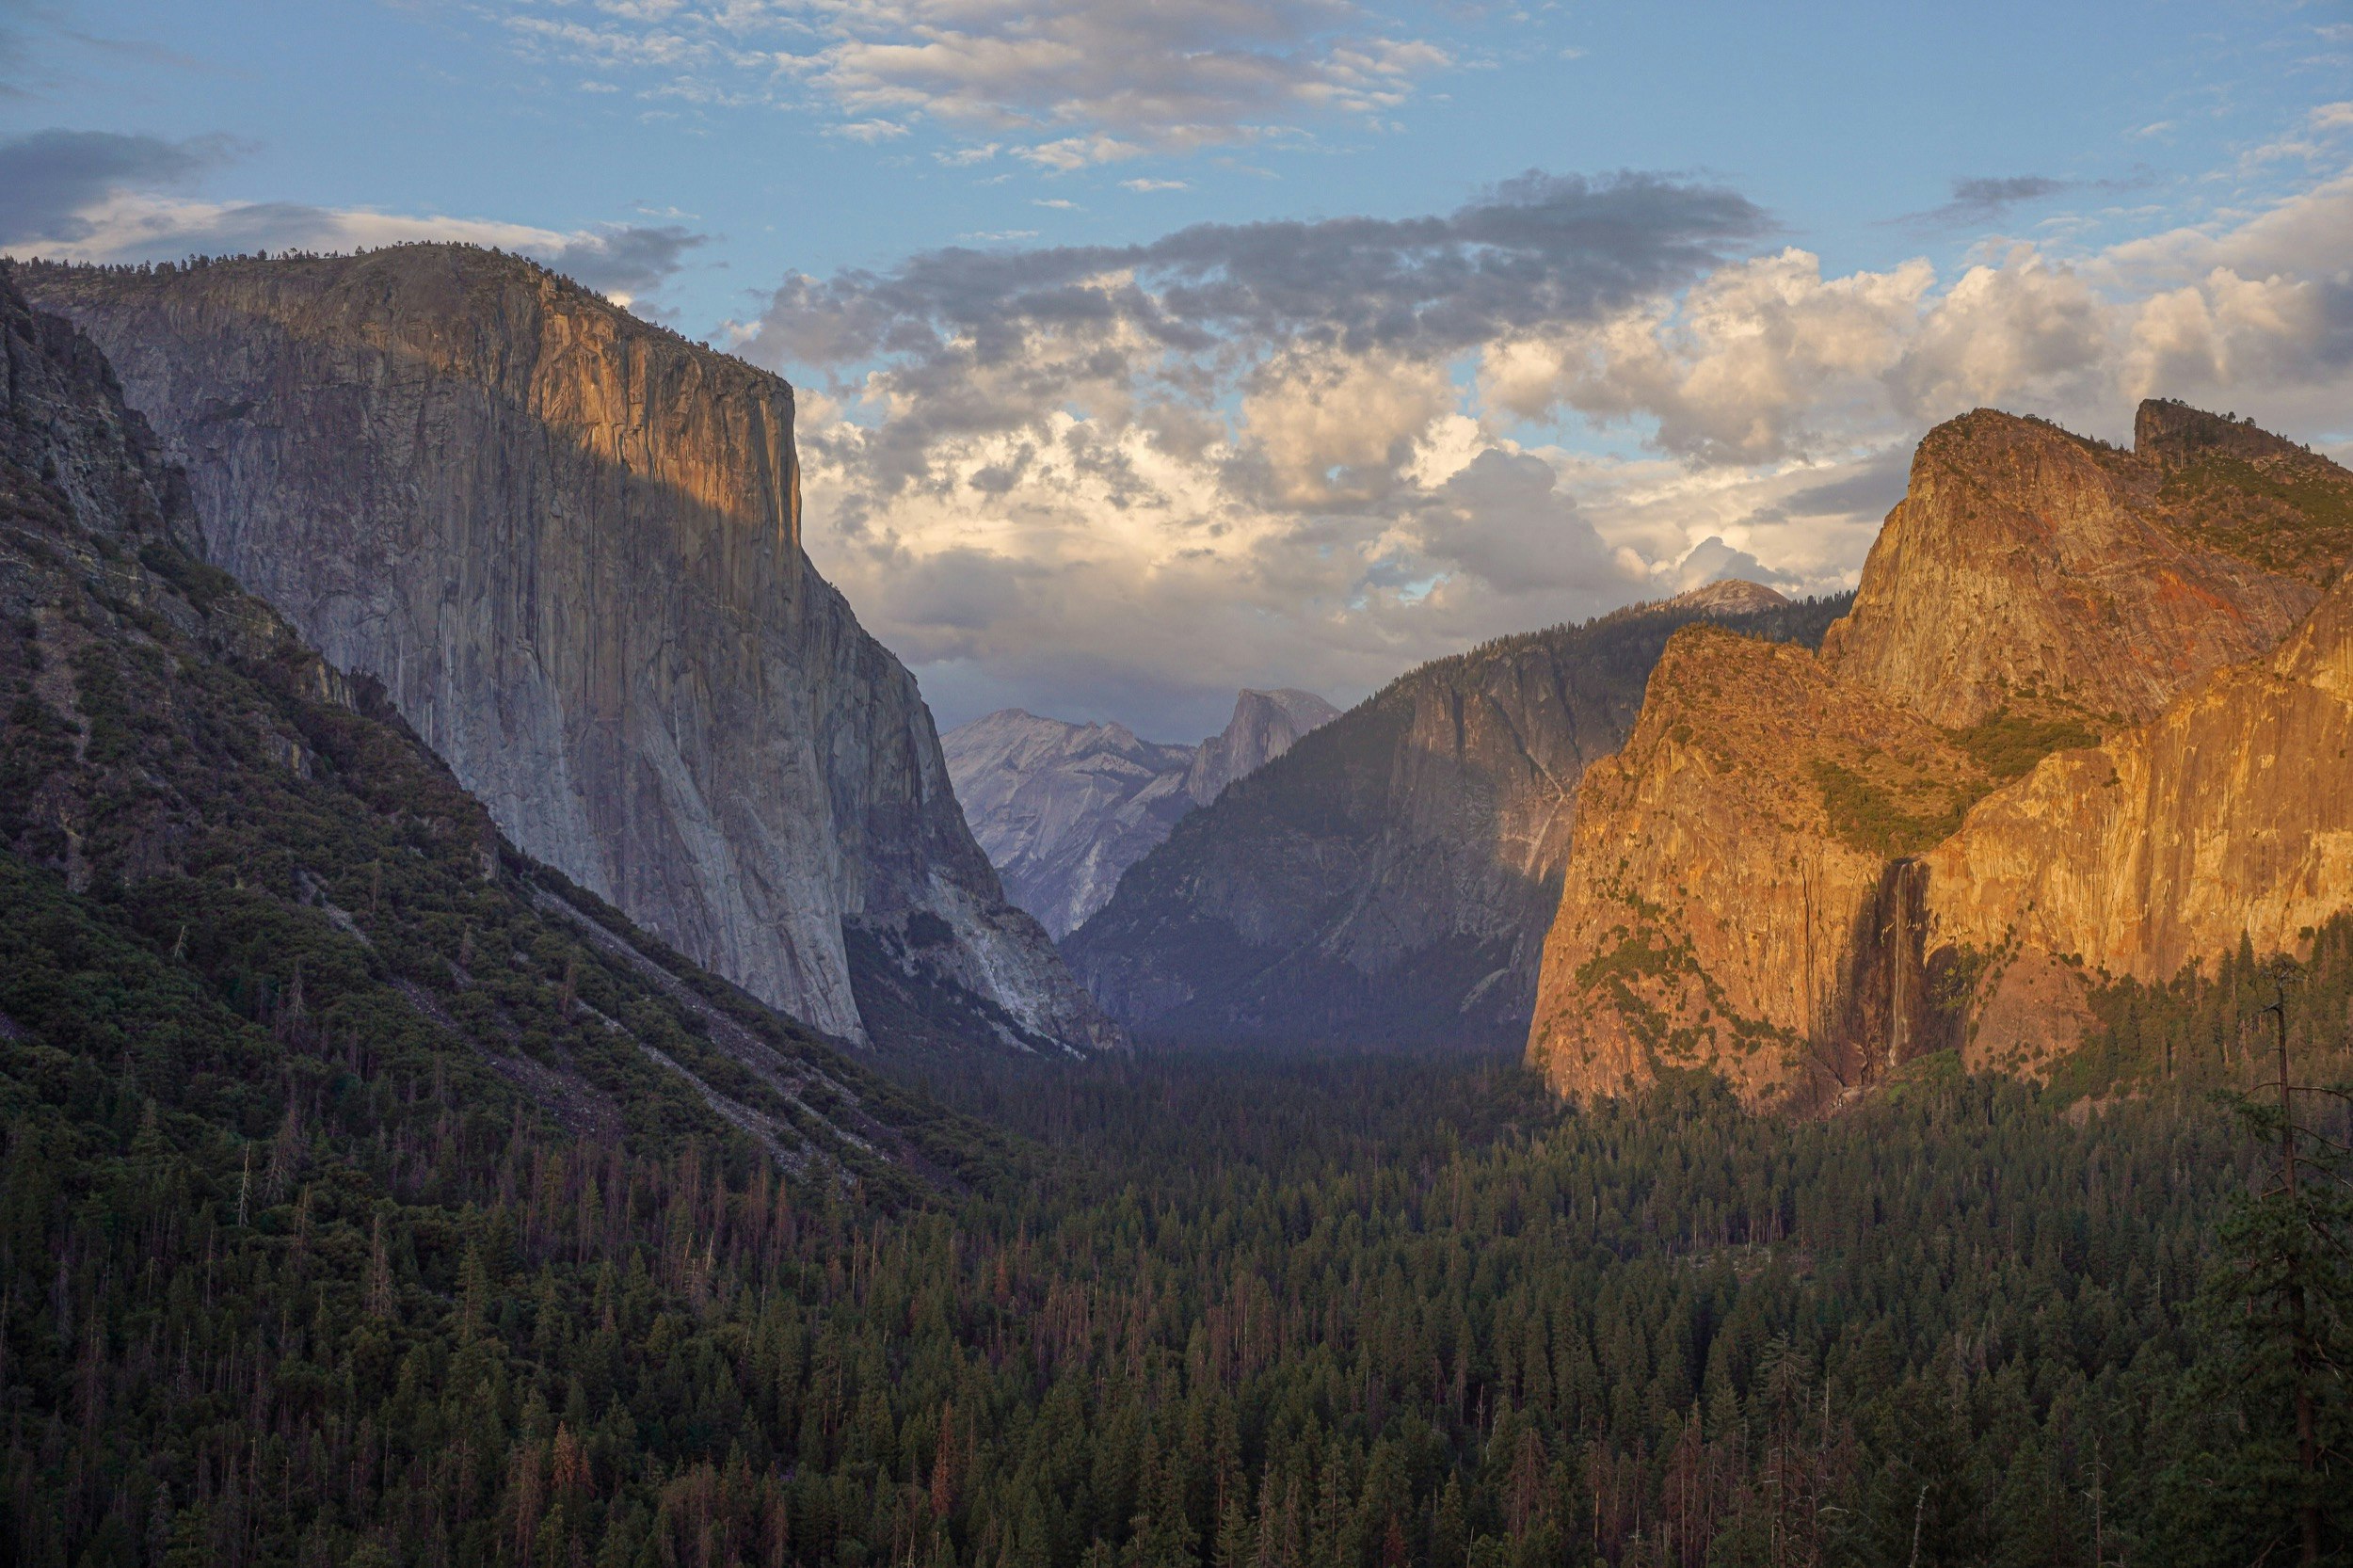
(189, 795)
(1061, 809)
(1265, 725)
(2081, 722)
(568, 544)
(1391, 878)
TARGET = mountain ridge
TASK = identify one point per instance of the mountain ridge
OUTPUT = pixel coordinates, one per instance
(2081, 723)
(1390, 880)
(1061, 809)
(236, 868)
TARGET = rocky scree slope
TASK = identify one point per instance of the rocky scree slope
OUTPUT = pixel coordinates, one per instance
(2060, 736)
(234, 874)
(1391, 878)
(568, 543)
(1061, 809)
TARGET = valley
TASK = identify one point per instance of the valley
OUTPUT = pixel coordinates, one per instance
(522, 1044)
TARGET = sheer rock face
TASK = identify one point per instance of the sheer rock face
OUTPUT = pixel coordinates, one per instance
(1265, 725)
(2025, 559)
(1391, 878)
(1061, 809)
(2230, 812)
(1828, 873)
(568, 544)
(1716, 915)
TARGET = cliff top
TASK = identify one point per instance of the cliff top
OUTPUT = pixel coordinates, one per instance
(2216, 481)
(463, 281)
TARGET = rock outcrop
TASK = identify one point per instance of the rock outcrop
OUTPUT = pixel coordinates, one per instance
(1391, 878)
(2059, 737)
(2028, 564)
(2229, 813)
(568, 543)
(1265, 725)
(1729, 882)
(1061, 809)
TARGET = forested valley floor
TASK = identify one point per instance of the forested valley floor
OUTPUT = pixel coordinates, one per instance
(1316, 1311)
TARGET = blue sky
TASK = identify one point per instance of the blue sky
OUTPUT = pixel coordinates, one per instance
(1086, 434)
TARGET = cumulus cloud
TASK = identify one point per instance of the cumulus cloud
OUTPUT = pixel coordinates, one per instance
(1129, 479)
(1092, 80)
(1179, 464)
(98, 196)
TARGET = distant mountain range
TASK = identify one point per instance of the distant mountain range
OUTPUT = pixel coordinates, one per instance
(1061, 809)
(1391, 878)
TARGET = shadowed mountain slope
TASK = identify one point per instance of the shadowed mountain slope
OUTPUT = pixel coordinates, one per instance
(1061, 809)
(1390, 879)
(234, 873)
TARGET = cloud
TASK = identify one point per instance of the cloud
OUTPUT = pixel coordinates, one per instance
(1073, 152)
(1504, 519)
(1147, 185)
(1091, 74)
(1712, 560)
(1988, 199)
(1128, 478)
(1738, 369)
(623, 261)
(98, 196)
(48, 178)
(1233, 453)
(868, 131)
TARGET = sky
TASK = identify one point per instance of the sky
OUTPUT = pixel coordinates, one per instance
(1146, 351)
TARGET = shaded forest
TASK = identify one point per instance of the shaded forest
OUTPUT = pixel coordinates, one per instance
(1314, 1312)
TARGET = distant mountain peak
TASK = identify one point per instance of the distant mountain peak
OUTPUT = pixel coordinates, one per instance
(1731, 595)
(1265, 725)
(1062, 807)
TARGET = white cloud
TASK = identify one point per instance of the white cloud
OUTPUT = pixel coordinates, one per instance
(1129, 478)
(62, 204)
(868, 131)
(1097, 77)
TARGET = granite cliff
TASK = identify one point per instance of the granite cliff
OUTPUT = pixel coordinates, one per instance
(1265, 725)
(2027, 565)
(230, 871)
(1061, 809)
(568, 544)
(1391, 878)
(2230, 815)
(2081, 722)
